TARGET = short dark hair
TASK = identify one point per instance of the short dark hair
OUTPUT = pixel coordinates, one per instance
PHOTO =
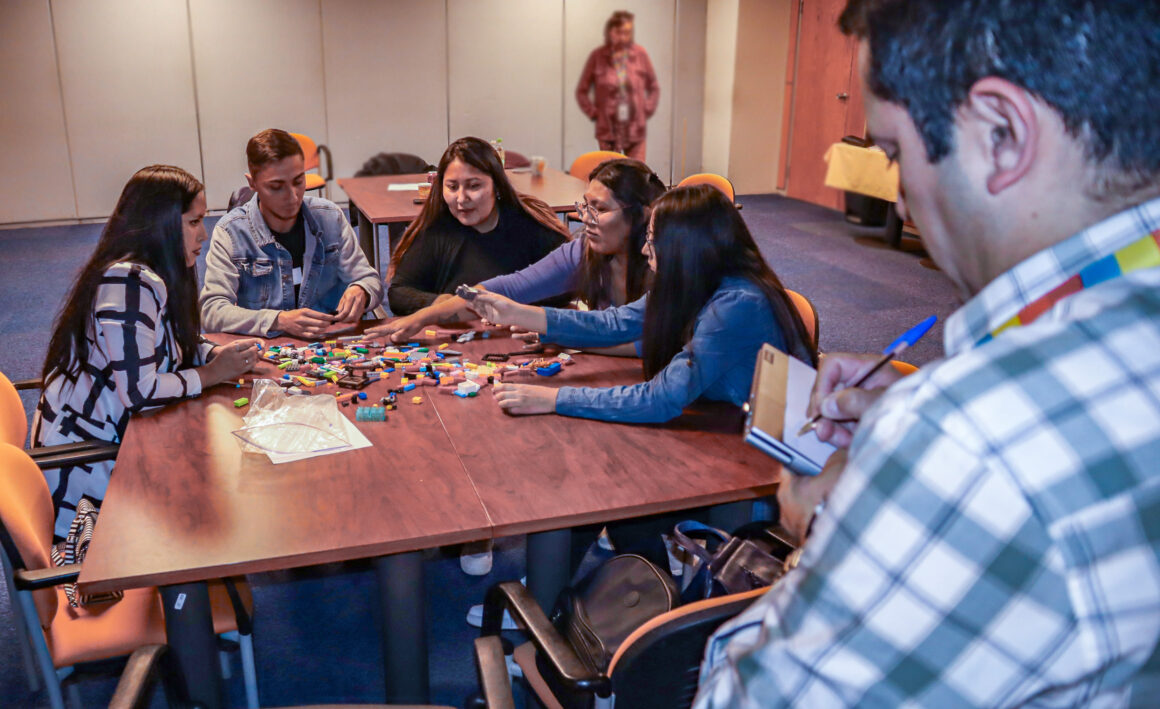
(270, 145)
(618, 19)
(1092, 61)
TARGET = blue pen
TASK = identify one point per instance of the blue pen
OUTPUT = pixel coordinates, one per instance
(892, 350)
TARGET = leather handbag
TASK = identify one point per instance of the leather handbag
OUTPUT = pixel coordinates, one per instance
(622, 594)
(753, 557)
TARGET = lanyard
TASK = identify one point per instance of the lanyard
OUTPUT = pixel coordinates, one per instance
(1140, 254)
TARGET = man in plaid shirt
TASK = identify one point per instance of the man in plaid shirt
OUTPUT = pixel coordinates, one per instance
(991, 536)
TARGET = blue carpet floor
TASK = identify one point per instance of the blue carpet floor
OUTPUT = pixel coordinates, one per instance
(315, 629)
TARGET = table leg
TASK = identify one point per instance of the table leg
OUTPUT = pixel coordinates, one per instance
(549, 565)
(189, 628)
(367, 240)
(893, 227)
(404, 631)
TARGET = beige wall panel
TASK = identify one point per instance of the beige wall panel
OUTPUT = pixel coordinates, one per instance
(128, 92)
(37, 183)
(258, 65)
(759, 94)
(720, 61)
(689, 88)
(504, 73)
(386, 80)
(584, 31)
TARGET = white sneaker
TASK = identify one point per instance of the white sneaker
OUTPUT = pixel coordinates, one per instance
(475, 616)
(514, 669)
(475, 558)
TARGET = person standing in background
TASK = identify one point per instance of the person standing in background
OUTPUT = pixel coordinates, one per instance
(626, 90)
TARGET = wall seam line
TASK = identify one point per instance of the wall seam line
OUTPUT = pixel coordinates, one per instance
(196, 96)
(72, 174)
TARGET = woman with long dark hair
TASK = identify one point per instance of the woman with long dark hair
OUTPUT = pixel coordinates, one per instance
(128, 338)
(604, 268)
(473, 226)
(713, 303)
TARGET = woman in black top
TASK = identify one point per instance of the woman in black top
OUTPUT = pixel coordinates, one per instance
(474, 226)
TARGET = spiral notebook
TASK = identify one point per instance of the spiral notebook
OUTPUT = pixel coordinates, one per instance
(777, 411)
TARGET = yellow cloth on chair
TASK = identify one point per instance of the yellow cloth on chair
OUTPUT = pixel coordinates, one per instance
(862, 170)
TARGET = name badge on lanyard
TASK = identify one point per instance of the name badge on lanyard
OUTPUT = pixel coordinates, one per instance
(622, 112)
(298, 276)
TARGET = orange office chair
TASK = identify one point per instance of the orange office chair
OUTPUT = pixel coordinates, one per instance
(903, 368)
(583, 166)
(310, 150)
(62, 636)
(807, 312)
(656, 666)
(13, 423)
(14, 429)
(714, 180)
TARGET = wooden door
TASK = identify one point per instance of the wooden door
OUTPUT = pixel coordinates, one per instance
(827, 99)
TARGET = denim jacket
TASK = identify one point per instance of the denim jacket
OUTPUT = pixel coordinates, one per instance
(249, 276)
(717, 363)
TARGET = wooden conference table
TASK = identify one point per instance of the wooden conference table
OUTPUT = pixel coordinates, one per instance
(186, 505)
(378, 204)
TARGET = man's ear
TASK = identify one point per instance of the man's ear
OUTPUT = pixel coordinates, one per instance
(1007, 114)
(250, 182)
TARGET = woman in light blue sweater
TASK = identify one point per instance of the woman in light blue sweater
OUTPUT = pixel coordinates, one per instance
(714, 302)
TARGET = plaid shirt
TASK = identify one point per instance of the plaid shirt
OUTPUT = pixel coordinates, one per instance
(993, 540)
(132, 367)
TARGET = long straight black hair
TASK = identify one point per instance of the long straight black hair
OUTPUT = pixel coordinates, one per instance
(700, 239)
(479, 154)
(145, 228)
(635, 187)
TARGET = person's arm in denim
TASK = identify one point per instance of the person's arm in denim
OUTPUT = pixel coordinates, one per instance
(355, 270)
(595, 328)
(220, 311)
(728, 331)
(552, 275)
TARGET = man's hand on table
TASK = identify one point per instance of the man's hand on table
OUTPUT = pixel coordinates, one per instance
(522, 399)
(842, 407)
(304, 323)
(352, 305)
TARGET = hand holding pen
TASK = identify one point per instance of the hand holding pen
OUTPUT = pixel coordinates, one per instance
(847, 385)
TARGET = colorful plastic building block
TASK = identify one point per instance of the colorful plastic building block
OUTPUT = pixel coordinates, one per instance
(239, 403)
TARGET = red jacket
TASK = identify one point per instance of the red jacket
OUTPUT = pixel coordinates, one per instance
(643, 91)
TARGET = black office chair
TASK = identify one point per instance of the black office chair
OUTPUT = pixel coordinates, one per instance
(391, 164)
(656, 666)
(153, 662)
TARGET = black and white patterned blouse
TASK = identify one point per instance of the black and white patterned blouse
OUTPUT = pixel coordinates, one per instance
(131, 367)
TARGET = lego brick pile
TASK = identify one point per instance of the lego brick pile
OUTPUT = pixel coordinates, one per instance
(352, 363)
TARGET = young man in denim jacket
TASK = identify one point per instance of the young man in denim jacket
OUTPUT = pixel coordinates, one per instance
(282, 262)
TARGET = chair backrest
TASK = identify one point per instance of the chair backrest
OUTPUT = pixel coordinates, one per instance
(26, 520)
(709, 178)
(309, 150)
(513, 160)
(13, 422)
(807, 312)
(393, 164)
(903, 368)
(659, 663)
(583, 166)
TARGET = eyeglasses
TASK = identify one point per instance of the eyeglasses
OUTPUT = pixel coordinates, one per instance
(590, 214)
(650, 242)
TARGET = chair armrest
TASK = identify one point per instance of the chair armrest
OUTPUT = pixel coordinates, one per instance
(66, 449)
(516, 598)
(323, 150)
(51, 458)
(145, 665)
(493, 673)
(36, 579)
(23, 384)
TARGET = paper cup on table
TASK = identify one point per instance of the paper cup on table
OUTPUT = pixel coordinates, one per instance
(424, 190)
(539, 163)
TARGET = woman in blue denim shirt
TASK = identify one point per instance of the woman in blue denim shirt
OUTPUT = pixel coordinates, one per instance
(714, 302)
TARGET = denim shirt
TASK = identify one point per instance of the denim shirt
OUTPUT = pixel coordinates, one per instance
(249, 275)
(717, 363)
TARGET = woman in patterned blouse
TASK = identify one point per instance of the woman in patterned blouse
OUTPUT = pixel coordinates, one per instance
(128, 336)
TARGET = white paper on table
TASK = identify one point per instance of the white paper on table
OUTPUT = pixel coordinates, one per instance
(353, 435)
(405, 187)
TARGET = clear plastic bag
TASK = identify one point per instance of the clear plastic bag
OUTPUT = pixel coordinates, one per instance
(282, 424)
